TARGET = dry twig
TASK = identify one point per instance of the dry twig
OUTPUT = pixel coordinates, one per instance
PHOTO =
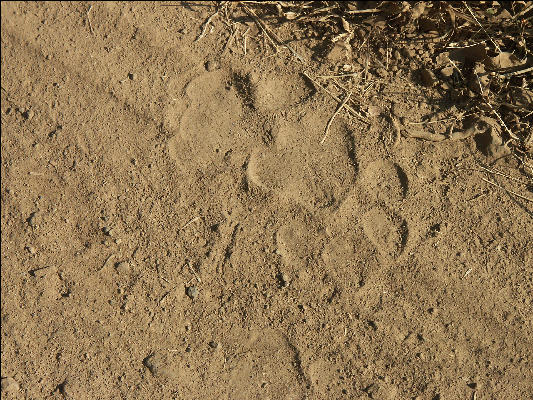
(339, 108)
(209, 21)
(339, 101)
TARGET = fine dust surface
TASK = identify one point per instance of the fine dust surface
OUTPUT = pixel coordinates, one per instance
(173, 227)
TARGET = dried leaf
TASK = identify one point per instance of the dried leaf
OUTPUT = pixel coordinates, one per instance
(291, 15)
(279, 9)
(418, 10)
(503, 60)
(346, 25)
(447, 72)
(473, 53)
(451, 13)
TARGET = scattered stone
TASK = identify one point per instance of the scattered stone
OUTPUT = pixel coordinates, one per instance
(68, 389)
(107, 230)
(214, 345)
(159, 365)
(122, 267)
(132, 76)
(212, 65)
(192, 292)
(28, 114)
(32, 220)
(55, 132)
(9, 385)
(31, 250)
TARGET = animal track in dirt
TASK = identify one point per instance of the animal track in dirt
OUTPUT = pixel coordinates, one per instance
(386, 230)
(384, 181)
(268, 367)
(272, 93)
(296, 241)
(297, 168)
(348, 257)
(211, 126)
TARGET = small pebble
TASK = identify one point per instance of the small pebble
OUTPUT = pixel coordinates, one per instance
(68, 389)
(132, 76)
(122, 267)
(32, 220)
(29, 114)
(31, 249)
(161, 365)
(192, 292)
(211, 65)
(214, 345)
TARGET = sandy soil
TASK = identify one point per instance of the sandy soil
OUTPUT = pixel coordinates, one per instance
(173, 227)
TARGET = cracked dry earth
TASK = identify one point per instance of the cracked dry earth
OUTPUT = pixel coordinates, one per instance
(175, 232)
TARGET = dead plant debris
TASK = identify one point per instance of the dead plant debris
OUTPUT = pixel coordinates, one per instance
(477, 54)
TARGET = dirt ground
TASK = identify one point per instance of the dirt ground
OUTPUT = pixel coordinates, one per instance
(176, 224)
